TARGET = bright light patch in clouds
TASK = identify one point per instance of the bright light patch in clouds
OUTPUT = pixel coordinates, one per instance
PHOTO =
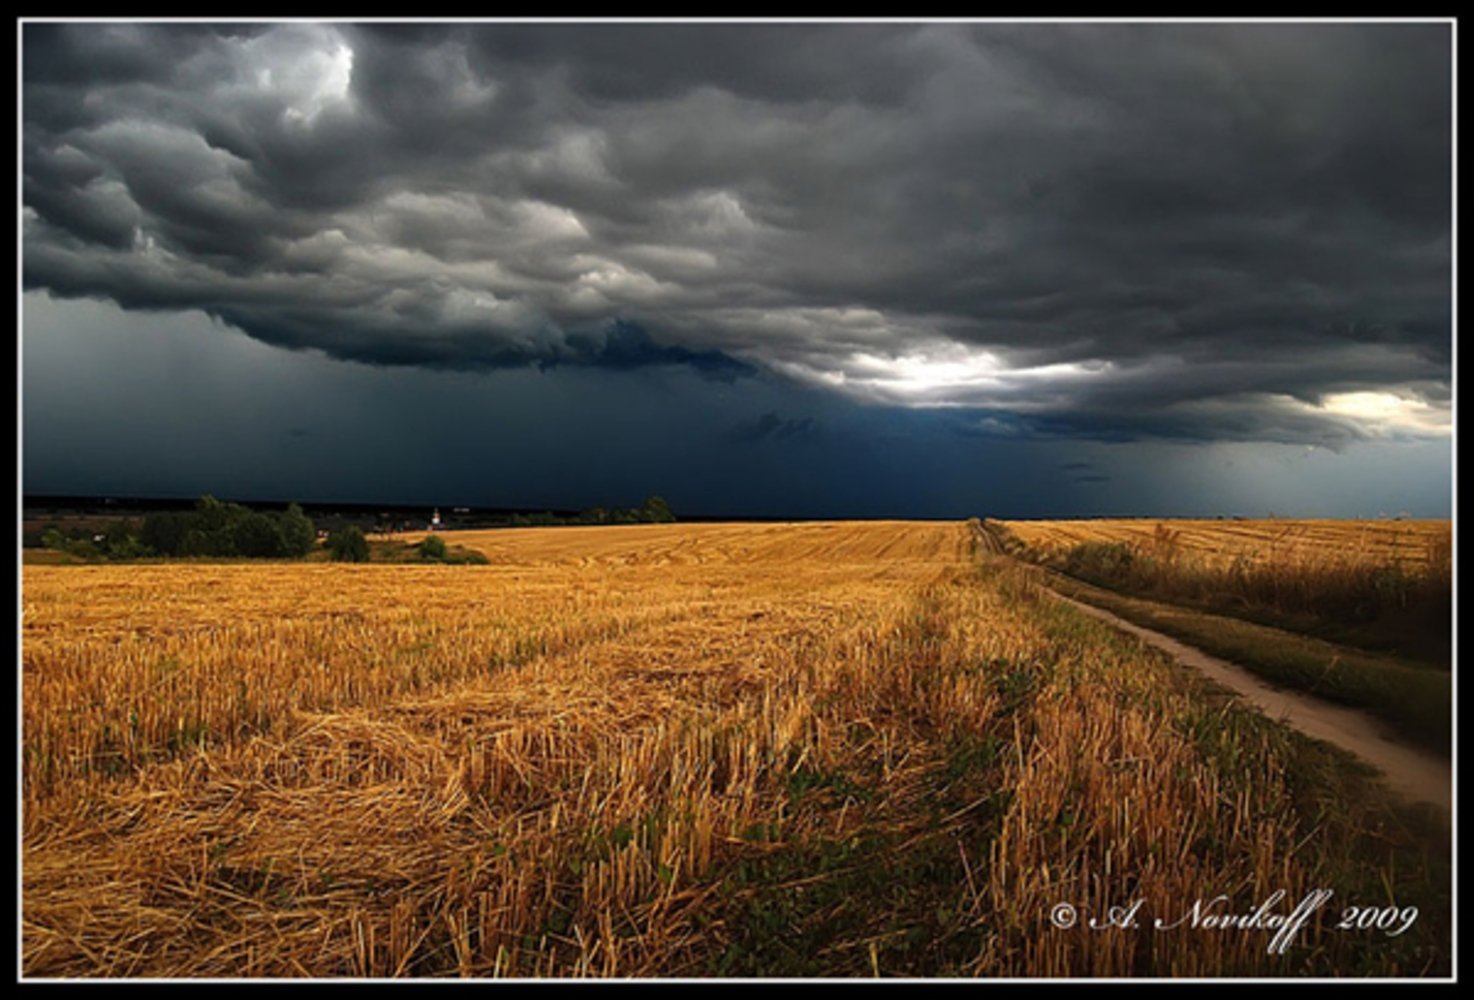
(1386, 413)
(948, 375)
(309, 66)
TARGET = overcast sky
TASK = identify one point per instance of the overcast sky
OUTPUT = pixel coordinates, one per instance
(929, 270)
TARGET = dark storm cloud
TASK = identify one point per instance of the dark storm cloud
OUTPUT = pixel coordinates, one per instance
(772, 427)
(625, 345)
(1199, 232)
(131, 403)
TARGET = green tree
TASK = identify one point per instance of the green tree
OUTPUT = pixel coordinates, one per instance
(163, 531)
(195, 542)
(120, 541)
(657, 511)
(347, 544)
(257, 536)
(211, 515)
(213, 529)
(298, 532)
(433, 547)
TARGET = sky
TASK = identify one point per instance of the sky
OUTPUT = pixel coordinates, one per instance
(863, 270)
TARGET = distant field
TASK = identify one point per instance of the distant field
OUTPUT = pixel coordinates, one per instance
(847, 749)
(1379, 591)
(1223, 541)
(883, 546)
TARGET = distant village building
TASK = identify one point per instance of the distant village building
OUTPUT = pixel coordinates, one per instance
(435, 520)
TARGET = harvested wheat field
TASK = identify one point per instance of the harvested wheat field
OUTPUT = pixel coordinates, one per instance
(845, 749)
(1413, 543)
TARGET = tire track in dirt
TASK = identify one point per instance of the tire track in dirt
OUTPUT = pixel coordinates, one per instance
(986, 538)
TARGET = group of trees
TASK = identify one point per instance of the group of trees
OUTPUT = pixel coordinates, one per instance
(655, 510)
(348, 544)
(118, 541)
(212, 529)
(220, 529)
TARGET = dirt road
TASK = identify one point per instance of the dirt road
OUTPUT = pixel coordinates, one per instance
(1415, 774)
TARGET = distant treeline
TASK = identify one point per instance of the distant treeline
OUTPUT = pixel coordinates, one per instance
(224, 530)
(654, 510)
(213, 529)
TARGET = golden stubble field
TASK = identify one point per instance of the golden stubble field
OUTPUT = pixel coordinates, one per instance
(1413, 543)
(847, 749)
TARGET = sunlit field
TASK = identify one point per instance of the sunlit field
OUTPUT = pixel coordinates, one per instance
(1384, 585)
(1222, 541)
(848, 749)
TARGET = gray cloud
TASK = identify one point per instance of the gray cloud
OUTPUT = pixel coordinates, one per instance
(1195, 232)
(772, 426)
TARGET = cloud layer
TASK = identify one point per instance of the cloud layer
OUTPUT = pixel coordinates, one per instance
(1199, 232)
